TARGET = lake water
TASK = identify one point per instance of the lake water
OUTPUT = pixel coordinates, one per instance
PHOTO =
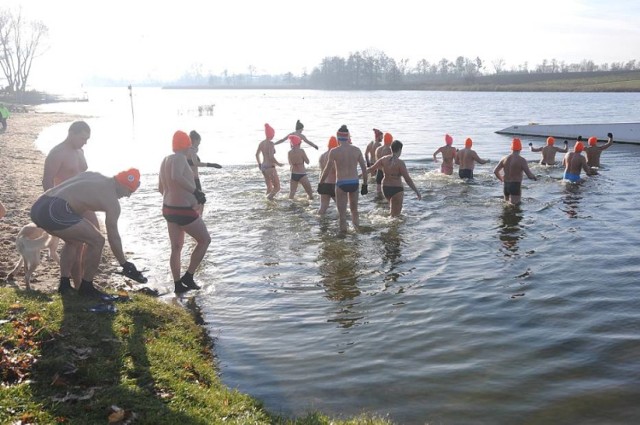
(461, 311)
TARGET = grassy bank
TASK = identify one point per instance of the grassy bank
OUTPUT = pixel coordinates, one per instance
(147, 363)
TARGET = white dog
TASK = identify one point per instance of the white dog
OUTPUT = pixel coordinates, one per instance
(30, 241)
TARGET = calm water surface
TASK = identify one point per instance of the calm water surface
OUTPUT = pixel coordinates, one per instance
(463, 310)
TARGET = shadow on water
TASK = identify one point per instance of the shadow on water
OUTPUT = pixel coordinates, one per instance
(510, 231)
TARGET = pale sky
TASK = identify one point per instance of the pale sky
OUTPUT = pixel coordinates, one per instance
(134, 39)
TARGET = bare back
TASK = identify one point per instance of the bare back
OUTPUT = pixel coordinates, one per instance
(574, 163)
(467, 158)
(383, 150)
(88, 191)
(267, 149)
(448, 154)
(344, 160)
(176, 182)
(324, 158)
(297, 159)
(514, 167)
(593, 155)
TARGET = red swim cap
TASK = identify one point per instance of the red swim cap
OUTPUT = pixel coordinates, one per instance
(388, 138)
(295, 140)
(129, 179)
(448, 139)
(550, 141)
(333, 142)
(468, 143)
(593, 140)
(516, 145)
(181, 141)
(578, 147)
(269, 132)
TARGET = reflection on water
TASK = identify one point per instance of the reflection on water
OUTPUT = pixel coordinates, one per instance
(392, 243)
(572, 199)
(510, 231)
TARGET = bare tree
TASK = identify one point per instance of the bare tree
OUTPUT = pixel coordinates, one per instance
(20, 44)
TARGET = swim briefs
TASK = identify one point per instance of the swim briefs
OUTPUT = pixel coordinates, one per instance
(51, 214)
(327, 189)
(179, 215)
(512, 188)
(390, 191)
(296, 177)
(351, 185)
(573, 178)
(465, 173)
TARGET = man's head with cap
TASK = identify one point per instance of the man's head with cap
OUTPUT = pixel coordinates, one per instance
(130, 179)
(578, 147)
(181, 141)
(593, 140)
(516, 145)
(343, 134)
(468, 143)
(550, 141)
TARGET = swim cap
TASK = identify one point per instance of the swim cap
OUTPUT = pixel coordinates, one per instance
(550, 141)
(129, 179)
(269, 132)
(578, 147)
(388, 138)
(333, 142)
(516, 145)
(181, 141)
(295, 140)
(377, 133)
(468, 143)
(593, 140)
(448, 139)
(299, 125)
(343, 134)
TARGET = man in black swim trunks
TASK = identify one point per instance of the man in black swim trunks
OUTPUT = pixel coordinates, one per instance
(60, 212)
(514, 166)
(180, 199)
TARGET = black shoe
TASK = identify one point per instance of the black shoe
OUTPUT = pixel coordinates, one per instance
(89, 291)
(180, 288)
(187, 280)
(65, 287)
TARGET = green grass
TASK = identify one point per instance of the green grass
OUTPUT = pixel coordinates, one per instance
(150, 361)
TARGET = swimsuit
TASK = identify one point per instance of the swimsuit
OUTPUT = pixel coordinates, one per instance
(266, 167)
(573, 178)
(327, 189)
(179, 215)
(465, 173)
(297, 176)
(512, 188)
(390, 191)
(446, 169)
(51, 214)
(379, 177)
(350, 185)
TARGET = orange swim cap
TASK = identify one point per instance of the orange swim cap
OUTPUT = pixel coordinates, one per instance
(448, 139)
(269, 132)
(516, 145)
(181, 141)
(333, 142)
(388, 138)
(295, 140)
(468, 143)
(578, 147)
(550, 141)
(129, 179)
(593, 140)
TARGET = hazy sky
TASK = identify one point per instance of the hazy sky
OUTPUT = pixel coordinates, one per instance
(138, 38)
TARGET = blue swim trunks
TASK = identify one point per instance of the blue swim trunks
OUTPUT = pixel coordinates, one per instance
(51, 214)
(350, 185)
(573, 178)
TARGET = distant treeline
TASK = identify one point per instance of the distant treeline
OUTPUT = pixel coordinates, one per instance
(374, 70)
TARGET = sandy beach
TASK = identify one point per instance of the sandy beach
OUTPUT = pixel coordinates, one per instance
(20, 185)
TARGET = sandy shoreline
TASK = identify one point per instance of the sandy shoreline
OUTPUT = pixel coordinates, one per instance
(22, 165)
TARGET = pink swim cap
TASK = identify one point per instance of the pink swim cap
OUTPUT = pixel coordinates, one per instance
(448, 139)
(295, 140)
(269, 131)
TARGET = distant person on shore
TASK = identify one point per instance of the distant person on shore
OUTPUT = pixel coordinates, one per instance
(4, 114)
(298, 132)
(297, 160)
(268, 164)
(61, 212)
(180, 199)
(466, 159)
(549, 151)
(194, 162)
(327, 190)
(514, 166)
(343, 161)
(394, 171)
(448, 153)
(3, 210)
(66, 160)
(593, 151)
(370, 152)
(574, 163)
(382, 151)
